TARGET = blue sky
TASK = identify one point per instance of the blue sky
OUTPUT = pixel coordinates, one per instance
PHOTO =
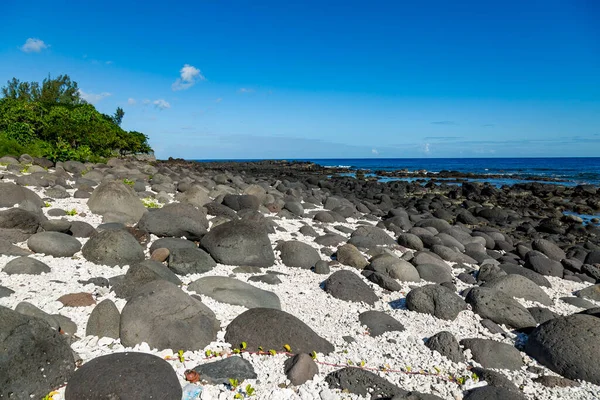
(325, 79)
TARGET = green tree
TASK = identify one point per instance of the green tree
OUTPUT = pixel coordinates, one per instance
(118, 117)
(60, 90)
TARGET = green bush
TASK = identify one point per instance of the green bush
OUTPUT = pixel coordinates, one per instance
(51, 120)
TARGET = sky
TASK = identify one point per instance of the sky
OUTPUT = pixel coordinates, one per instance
(225, 79)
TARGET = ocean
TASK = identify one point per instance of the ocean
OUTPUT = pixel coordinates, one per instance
(566, 171)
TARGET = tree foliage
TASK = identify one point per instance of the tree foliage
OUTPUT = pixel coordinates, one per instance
(54, 121)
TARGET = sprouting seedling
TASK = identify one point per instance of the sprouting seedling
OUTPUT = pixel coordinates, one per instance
(287, 348)
(349, 362)
(236, 351)
(313, 355)
(250, 391)
(208, 353)
(72, 212)
(408, 368)
(46, 204)
(362, 363)
(128, 182)
(238, 395)
(180, 356)
(234, 383)
(260, 349)
(243, 345)
(272, 352)
(50, 396)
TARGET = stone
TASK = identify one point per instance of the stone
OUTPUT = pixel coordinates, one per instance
(590, 292)
(113, 247)
(378, 322)
(5, 292)
(493, 393)
(127, 375)
(220, 372)
(239, 243)
(330, 239)
(551, 381)
(12, 194)
(436, 300)
(568, 346)
(351, 256)
(382, 280)
(269, 279)
(446, 344)
(541, 264)
(35, 358)
(538, 279)
(30, 310)
(300, 368)
(577, 302)
(81, 229)
(282, 328)
(296, 254)
(9, 249)
(172, 244)
(295, 208)
(348, 286)
(104, 320)
(161, 254)
(165, 317)
(492, 354)
(434, 273)
(362, 382)
(500, 308)
(196, 195)
(520, 287)
(395, 267)
(25, 265)
(550, 249)
(322, 267)
(541, 314)
(495, 379)
(67, 326)
(175, 220)
(411, 241)
(141, 273)
(233, 291)
(77, 299)
(55, 244)
(116, 197)
(377, 235)
(190, 261)
(20, 220)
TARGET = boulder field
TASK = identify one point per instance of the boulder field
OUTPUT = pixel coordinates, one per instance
(285, 280)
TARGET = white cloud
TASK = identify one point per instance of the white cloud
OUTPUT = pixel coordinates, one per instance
(146, 102)
(189, 75)
(131, 101)
(33, 45)
(374, 151)
(246, 90)
(220, 99)
(93, 98)
(161, 104)
(426, 149)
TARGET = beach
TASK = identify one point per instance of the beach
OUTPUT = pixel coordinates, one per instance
(364, 272)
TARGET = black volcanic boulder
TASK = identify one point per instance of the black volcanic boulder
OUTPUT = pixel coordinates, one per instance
(11, 194)
(379, 322)
(233, 291)
(34, 358)
(446, 344)
(348, 286)
(568, 346)
(377, 235)
(176, 220)
(436, 300)
(55, 244)
(272, 329)
(124, 376)
(520, 287)
(116, 198)
(500, 308)
(492, 354)
(20, 220)
(239, 242)
(362, 382)
(550, 249)
(113, 247)
(166, 317)
(296, 254)
(541, 264)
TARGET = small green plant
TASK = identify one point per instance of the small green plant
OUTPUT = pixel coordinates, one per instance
(151, 203)
(272, 352)
(180, 356)
(238, 395)
(25, 169)
(236, 351)
(208, 353)
(260, 349)
(72, 212)
(128, 182)
(250, 391)
(234, 383)
(46, 204)
(313, 355)
(243, 345)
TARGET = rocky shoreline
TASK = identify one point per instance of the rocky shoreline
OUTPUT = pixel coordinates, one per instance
(288, 280)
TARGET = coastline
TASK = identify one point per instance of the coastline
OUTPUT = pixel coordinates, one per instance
(314, 205)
